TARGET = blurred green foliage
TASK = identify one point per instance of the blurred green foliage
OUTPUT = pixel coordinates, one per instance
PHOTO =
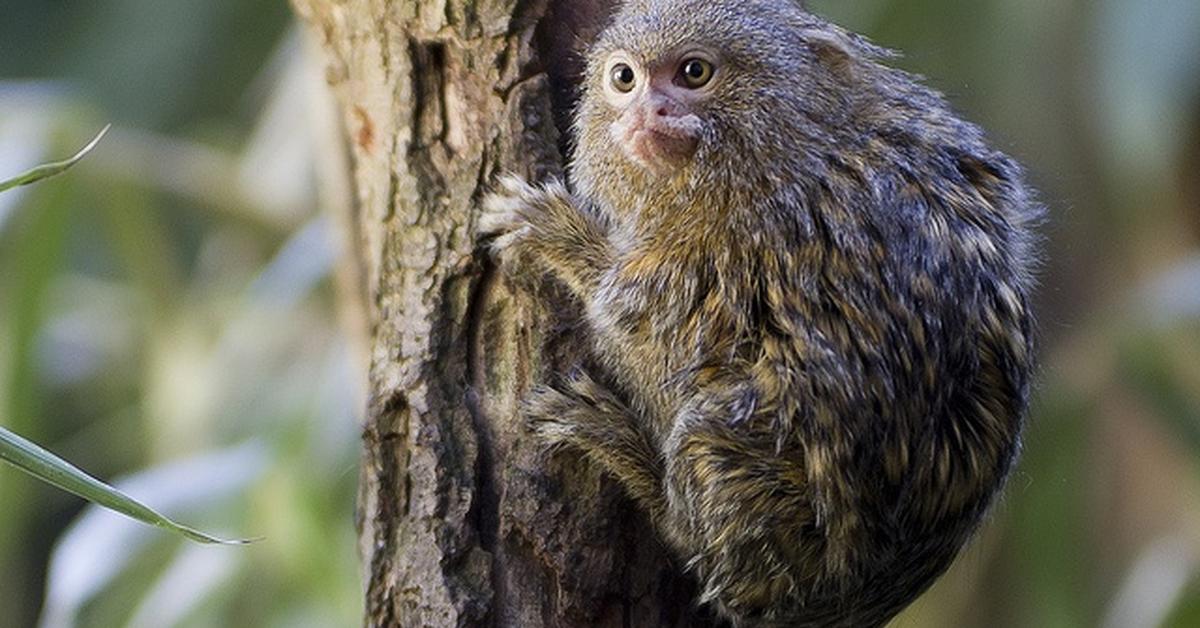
(166, 314)
(166, 318)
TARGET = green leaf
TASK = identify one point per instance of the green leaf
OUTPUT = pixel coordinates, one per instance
(49, 170)
(32, 459)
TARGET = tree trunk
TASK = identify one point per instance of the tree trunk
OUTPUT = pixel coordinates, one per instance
(464, 520)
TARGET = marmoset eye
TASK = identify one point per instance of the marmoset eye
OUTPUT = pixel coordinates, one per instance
(623, 77)
(696, 72)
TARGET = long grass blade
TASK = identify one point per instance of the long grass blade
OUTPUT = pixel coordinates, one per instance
(48, 170)
(36, 461)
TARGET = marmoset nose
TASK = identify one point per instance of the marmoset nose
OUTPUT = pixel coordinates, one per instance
(659, 105)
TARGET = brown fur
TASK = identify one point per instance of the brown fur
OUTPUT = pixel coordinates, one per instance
(816, 330)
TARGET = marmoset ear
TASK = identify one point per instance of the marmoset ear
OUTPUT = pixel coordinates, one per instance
(832, 50)
(991, 179)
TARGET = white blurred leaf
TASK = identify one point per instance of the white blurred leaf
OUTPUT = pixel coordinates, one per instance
(276, 167)
(306, 259)
(99, 544)
(25, 128)
(192, 577)
(93, 324)
(1153, 585)
(1175, 296)
(1148, 71)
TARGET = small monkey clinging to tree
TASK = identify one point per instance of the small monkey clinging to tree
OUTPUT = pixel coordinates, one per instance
(807, 284)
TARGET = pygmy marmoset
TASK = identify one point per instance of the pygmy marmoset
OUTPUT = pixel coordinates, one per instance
(807, 285)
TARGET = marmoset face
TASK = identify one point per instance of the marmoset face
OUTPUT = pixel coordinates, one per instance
(659, 103)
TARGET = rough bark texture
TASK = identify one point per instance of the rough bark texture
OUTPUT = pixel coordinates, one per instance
(464, 520)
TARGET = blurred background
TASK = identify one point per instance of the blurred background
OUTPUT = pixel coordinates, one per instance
(167, 314)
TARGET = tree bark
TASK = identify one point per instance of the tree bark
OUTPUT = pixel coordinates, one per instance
(464, 519)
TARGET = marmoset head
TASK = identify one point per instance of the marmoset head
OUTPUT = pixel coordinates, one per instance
(684, 90)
